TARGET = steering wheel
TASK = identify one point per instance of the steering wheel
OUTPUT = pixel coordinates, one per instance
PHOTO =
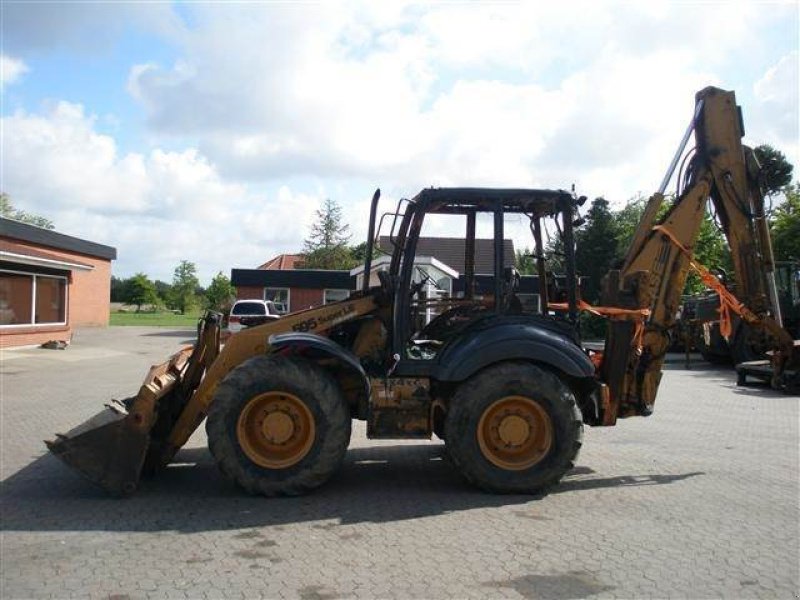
(416, 288)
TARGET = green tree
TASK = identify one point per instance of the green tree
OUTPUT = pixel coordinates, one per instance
(359, 252)
(776, 171)
(220, 293)
(597, 247)
(524, 261)
(786, 225)
(120, 290)
(326, 245)
(164, 291)
(8, 211)
(554, 255)
(184, 286)
(141, 291)
(627, 220)
(711, 250)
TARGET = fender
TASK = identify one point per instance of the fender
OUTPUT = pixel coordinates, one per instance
(520, 339)
(313, 345)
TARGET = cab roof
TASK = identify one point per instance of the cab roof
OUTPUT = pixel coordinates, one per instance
(515, 200)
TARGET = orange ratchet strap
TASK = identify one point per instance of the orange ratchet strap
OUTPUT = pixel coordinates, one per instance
(637, 315)
(727, 301)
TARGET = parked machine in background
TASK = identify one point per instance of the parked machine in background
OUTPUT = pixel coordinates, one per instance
(508, 390)
(700, 318)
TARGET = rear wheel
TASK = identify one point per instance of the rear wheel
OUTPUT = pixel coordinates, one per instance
(278, 426)
(513, 428)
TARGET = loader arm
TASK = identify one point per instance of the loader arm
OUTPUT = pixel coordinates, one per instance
(252, 342)
(114, 448)
(656, 264)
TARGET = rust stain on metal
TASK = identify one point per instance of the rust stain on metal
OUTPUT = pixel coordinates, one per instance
(400, 407)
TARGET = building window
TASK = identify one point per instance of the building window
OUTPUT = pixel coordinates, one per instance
(335, 296)
(280, 297)
(32, 299)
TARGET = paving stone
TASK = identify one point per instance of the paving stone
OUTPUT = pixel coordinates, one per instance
(700, 501)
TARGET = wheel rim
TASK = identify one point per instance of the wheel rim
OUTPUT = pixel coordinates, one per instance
(515, 433)
(275, 430)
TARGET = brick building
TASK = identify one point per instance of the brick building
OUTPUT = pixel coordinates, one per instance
(291, 287)
(50, 283)
(284, 280)
(292, 290)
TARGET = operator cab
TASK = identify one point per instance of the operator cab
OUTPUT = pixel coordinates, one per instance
(436, 304)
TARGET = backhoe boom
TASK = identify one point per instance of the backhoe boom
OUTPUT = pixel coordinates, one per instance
(655, 268)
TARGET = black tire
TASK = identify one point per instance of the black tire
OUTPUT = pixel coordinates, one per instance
(747, 345)
(320, 394)
(717, 352)
(791, 385)
(478, 394)
(720, 360)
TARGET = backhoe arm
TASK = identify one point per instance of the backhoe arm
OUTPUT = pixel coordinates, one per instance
(656, 265)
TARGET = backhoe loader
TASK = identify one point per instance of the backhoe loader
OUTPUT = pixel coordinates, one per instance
(508, 388)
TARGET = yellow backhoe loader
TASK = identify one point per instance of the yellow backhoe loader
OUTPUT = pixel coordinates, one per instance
(508, 386)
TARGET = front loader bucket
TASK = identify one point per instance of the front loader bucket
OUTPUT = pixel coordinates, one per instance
(106, 449)
(113, 448)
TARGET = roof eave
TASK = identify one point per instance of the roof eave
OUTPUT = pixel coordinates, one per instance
(36, 261)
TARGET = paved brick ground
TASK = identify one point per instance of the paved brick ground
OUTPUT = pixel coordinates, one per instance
(699, 501)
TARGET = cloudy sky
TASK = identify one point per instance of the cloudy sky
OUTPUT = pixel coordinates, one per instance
(211, 132)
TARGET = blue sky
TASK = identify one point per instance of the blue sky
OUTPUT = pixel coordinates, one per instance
(211, 132)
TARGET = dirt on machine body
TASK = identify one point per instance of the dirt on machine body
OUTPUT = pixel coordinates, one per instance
(507, 384)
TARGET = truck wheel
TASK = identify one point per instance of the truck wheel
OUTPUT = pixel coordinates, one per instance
(513, 428)
(278, 426)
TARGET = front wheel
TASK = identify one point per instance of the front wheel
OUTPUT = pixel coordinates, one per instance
(278, 426)
(513, 428)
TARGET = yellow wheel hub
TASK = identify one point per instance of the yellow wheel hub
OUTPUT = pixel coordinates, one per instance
(275, 430)
(278, 427)
(515, 433)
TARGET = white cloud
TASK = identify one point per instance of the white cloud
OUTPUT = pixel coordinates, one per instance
(446, 94)
(266, 111)
(11, 69)
(534, 37)
(777, 116)
(59, 158)
(156, 208)
(779, 83)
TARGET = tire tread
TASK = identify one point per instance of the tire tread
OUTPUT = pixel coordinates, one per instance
(230, 397)
(458, 434)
